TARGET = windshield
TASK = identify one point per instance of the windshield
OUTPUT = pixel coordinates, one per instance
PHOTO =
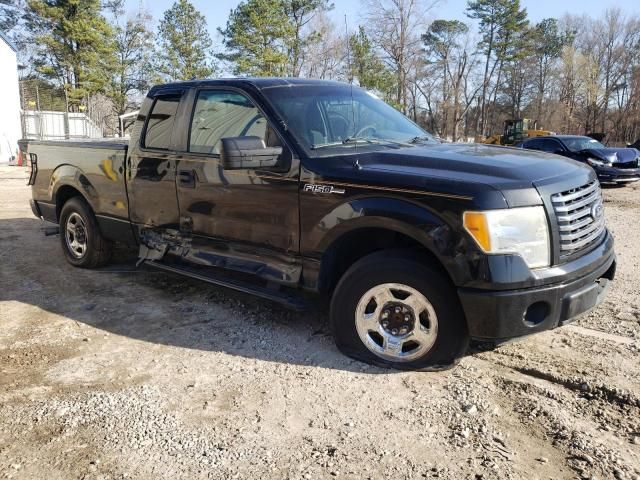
(576, 144)
(325, 120)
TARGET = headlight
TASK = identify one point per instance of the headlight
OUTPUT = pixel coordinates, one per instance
(523, 231)
(596, 162)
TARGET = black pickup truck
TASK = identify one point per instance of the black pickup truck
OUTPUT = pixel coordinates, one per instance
(285, 187)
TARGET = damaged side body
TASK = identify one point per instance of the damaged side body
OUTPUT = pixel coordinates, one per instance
(156, 244)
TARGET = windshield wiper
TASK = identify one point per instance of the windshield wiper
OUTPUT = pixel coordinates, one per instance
(348, 141)
(419, 138)
(356, 140)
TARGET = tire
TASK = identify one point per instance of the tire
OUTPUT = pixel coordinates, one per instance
(82, 242)
(433, 339)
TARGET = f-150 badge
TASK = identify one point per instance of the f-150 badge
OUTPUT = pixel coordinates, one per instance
(312, 187)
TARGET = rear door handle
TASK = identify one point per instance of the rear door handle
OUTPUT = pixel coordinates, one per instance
(187, 178)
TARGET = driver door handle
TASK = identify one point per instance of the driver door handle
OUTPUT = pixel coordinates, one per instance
(187, 178)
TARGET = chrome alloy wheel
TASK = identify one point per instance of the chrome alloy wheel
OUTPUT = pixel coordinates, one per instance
(76, 235)
(396, 322)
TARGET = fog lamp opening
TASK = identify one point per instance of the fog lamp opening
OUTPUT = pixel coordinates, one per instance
(536, 314)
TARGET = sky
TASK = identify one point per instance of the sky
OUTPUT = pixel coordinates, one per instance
(217, 11)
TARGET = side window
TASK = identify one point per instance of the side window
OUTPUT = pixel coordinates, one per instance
(532, 145)
(221, 114)
(557, 147)
(160, 123)
(550, 146)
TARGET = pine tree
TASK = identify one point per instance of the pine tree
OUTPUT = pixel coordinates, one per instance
(501, 23)
(548, 41)
(368, 68)
(301, 13)
(184, 44)
(442, 39)
(10, 12)
(256, 37)
(74, 44)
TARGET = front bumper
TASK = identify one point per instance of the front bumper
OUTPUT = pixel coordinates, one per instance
(617, 175)
(505, 314)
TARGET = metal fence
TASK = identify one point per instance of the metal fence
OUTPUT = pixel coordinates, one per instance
(46, 115)
(47, 125)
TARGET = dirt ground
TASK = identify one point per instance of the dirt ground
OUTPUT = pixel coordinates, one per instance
(116, 374)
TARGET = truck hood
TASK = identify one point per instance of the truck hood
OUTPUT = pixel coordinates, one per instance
(613, 155)
(515, 177)
(500, 167)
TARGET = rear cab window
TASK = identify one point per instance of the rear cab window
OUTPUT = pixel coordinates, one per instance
(159, 127)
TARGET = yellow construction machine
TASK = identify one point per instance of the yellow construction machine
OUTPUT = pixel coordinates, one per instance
(516, 131)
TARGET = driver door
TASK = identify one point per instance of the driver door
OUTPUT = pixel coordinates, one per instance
(242, 219)
(551, 145)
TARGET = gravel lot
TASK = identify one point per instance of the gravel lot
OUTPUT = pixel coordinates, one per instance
(140, 374)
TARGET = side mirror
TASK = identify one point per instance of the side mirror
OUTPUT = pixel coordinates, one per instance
(559, 151)
(247, 153)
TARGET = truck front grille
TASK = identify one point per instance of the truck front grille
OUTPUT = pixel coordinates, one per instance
(579, 213)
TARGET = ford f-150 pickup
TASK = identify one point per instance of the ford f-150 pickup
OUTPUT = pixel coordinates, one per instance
(287, 187)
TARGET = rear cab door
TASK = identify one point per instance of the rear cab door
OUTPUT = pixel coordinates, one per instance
(551, 145)
(151, 164)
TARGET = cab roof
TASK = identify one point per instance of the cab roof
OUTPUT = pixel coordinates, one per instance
(260, 83)
(561, 137)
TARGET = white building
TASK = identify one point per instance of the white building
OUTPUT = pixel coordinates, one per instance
(10, 128)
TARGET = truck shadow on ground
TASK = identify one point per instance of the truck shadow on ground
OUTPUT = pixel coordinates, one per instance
(158, 307)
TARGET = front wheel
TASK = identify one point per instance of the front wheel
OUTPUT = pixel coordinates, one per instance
(393, 311)
(82, 242)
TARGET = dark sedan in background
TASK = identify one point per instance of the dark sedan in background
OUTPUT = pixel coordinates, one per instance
(612, 165)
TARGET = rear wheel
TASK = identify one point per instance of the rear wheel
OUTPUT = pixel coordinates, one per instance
(393, 311)
(82, 242)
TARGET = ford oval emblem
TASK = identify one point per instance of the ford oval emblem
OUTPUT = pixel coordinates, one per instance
(597, 210)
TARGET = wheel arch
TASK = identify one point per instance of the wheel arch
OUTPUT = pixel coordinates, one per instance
(357, 243)
(68, 182)
(63, 195)
(367, 225)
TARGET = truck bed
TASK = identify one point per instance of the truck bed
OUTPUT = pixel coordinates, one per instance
(108, 143)
(95, 168)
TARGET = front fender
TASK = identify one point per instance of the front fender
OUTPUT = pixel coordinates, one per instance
(433, 231)
(394, 214)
